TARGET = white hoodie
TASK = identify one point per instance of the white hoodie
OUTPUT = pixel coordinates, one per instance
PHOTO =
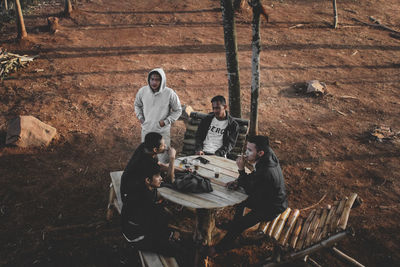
(152, 107)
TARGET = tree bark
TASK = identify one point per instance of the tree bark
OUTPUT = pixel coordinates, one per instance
(335, 15)
(255, 67)
(68, 8)
(231, 57)
(20, 21)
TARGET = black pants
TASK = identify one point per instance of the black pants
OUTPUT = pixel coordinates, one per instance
(241, 223)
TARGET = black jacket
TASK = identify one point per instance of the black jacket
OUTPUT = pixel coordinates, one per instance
(143, 216)
(134, 170)
(265, 186)
(229, 139)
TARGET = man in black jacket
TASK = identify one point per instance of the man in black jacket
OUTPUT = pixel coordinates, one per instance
(145, 221)
(218, 132)
(146, 152)
(265, 187)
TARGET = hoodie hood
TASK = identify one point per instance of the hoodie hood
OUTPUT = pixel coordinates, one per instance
(163, 83)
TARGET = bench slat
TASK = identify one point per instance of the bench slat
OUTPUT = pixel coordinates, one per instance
(150, 259)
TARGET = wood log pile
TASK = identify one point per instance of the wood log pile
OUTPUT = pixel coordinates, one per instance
(294, 232)
(191, 128)
(10, 63)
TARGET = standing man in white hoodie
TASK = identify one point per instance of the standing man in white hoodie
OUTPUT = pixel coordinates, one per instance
(157, 107)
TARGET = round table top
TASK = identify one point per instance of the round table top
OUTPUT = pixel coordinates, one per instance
(220, 196)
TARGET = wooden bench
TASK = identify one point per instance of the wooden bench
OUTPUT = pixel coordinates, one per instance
(298, 235)
(147, 258)
(191, 128)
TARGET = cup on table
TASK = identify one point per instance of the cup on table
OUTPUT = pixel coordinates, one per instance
(216, 172)
(196, 164)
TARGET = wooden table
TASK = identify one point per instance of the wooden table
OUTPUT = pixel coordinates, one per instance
(207, 203)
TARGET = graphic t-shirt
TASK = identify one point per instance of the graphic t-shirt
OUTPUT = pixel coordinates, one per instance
(215, 134)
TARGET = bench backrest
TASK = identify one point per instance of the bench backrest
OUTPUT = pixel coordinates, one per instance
(191, 129)
(292, 231)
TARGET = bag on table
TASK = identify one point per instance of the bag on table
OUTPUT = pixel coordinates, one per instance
(192, 183)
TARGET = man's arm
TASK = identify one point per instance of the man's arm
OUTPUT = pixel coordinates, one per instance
(176, 109)
(139, 106)
(229, 141)
(240, 162)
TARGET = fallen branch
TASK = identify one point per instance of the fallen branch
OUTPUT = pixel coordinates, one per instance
(376, 25)
(296, 26)
(314, 205)
(346, 257)
(348, 97)
(377, 22)
(394, 35)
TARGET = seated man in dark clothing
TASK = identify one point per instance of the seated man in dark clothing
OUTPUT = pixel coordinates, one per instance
(144, 220)
(265, 187)
(218, 132)
(146, 153)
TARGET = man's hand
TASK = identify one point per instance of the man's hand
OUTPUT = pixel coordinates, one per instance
(200, 153)
(232, 185)
(240, 162)
(171, 153)
(162, 123)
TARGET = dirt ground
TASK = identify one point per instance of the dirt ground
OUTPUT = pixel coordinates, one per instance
(53, 200)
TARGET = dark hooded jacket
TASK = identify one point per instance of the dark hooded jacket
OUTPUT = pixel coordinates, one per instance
(229, 138)
(265, 186)
(135, 170)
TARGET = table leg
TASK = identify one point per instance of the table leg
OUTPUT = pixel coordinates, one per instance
(205, 224)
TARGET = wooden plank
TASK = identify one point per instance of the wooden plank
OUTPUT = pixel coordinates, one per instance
(222, 163)
(304, 230)
(313, 228)
(281, 222)
(296, 232)
(321, 224)
(210, 166)
(151, 259)
(230, 196)
(116, 181)
(271, 226)
(325, 229)
(168, 261)
(346, 212)
(335, 219)
(222, 180)
(187, 199)
(263, 226)
(218, 199)
(284, 238)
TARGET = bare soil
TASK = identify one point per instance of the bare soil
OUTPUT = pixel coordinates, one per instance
(53, 200)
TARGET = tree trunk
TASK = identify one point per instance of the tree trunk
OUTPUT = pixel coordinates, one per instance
(335, 15)
(20, 21)
(238, 4)
(5, 4)
(231, 57)
(68, 8)
(255, 67)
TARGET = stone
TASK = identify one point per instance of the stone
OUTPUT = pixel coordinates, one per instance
(316, 88)
(28, 131)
